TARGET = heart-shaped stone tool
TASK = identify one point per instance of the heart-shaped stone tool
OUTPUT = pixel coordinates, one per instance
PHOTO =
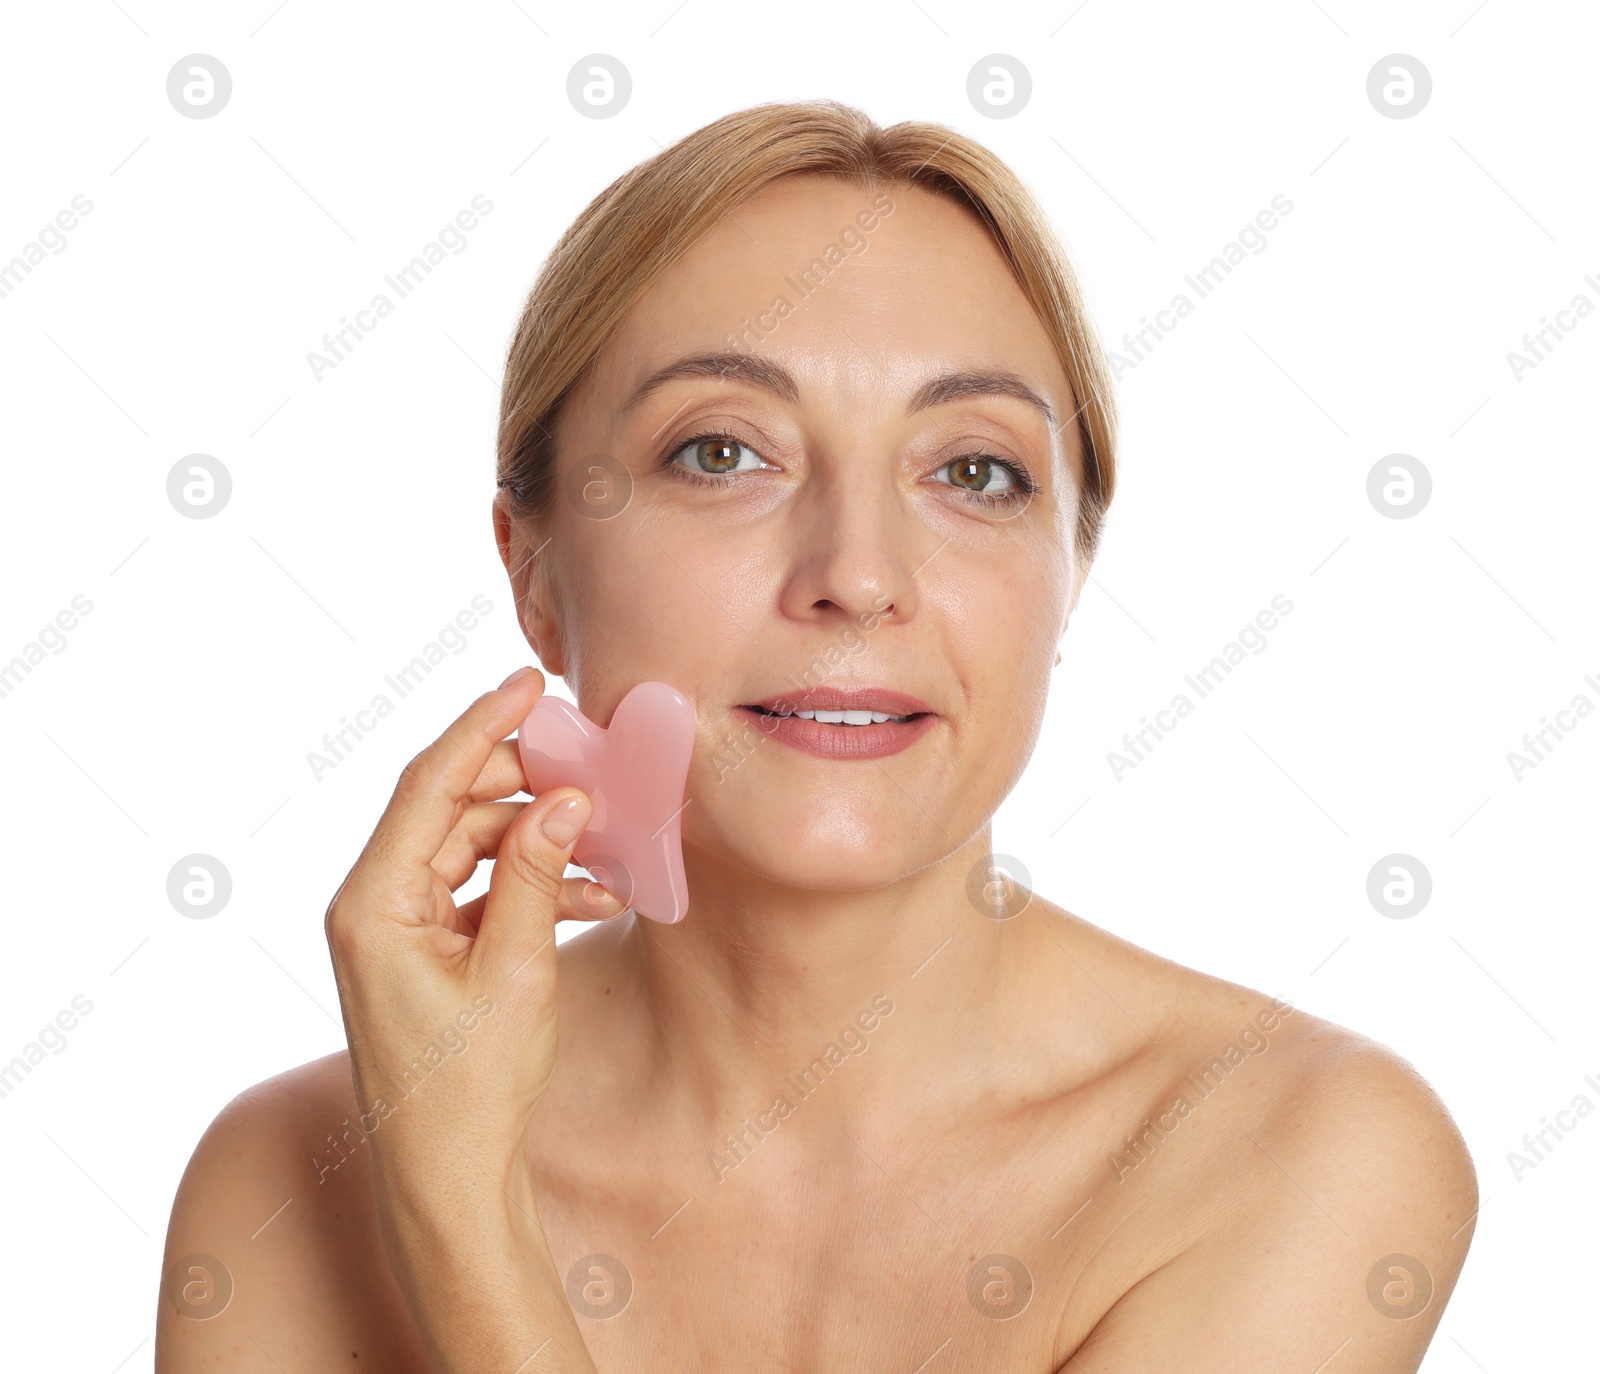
(634, 772)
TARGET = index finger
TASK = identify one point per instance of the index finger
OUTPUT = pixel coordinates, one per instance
(435, 784)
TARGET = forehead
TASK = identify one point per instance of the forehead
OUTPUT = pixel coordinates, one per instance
(861, 289)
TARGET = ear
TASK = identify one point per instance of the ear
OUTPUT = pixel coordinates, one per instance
(527, 563)
(1080, 576)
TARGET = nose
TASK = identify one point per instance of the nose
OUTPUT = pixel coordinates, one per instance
(855, 545)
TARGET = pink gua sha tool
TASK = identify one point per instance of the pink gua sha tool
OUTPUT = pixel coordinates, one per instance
(634, 772)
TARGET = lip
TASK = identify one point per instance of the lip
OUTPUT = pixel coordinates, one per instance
(825, 741)
(822, 740)
(821, 698)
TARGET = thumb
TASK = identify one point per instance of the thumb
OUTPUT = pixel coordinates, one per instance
(519, 911)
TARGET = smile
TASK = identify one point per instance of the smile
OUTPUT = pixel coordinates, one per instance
(837, 717)
(844, 722)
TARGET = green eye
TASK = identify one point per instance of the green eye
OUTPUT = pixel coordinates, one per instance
(988, 481)
(708, 456)
(717, 455)
(973, 474)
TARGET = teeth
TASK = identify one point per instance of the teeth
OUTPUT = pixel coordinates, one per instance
(848, 717)
(837, 717)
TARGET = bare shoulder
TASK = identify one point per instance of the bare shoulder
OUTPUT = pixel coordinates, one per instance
(271, 1251)
(1309, 1182)
(1370, 1142)
(1337, 1106)
(1336, 1092)
(1318, 1089)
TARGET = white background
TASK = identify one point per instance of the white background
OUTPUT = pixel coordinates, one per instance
(218, 652)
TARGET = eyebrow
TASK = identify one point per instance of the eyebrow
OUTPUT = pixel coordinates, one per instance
(769, 376)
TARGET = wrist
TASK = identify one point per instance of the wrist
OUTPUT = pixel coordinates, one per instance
(431, 1210)
(489, 1296)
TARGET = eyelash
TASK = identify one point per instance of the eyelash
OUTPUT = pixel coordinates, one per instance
(1024, 490)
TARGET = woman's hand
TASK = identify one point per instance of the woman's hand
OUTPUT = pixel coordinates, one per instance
(451, 1017)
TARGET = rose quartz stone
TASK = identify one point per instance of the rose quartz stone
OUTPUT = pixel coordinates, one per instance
(634, 771)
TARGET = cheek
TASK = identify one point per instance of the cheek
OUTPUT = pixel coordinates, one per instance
(996, 616)
(996, 634)
(643, 604)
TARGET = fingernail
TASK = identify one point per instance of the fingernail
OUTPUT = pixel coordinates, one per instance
(601, 902)
(564, 822)
(521, 672)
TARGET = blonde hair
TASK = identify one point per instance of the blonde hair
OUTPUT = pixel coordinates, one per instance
(645, 220)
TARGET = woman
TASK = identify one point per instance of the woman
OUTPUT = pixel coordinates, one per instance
(802, 415)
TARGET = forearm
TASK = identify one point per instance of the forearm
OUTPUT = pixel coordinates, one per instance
(489, 1299)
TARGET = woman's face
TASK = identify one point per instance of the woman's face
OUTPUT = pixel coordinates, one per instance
(834, 497)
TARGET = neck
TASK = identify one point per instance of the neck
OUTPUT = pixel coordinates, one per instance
(764, 991)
